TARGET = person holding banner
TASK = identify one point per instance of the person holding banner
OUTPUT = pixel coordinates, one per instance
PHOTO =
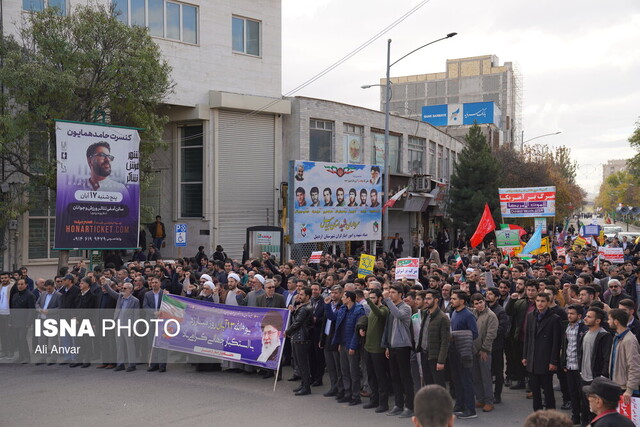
(300, 334)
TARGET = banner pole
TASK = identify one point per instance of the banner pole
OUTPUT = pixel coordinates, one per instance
(275, 382)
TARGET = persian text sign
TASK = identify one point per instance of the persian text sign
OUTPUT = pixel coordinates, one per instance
(615, 255)
(407, 268)
(527, 202)
(250, 335)
(98, 192)
(335, 201)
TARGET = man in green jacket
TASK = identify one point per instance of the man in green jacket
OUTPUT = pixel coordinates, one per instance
(372, 327)
(433, 339)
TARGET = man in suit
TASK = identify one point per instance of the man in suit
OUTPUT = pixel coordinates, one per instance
(151, 303)
(87, 301)
(541, 352)
(331, 354)
(396, 245)
(316, 355)
(270, 298)
(46, 307)
(69, 300)
(126, 308)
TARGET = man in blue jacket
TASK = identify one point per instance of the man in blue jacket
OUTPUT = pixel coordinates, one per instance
(347, 339)
(463, 328)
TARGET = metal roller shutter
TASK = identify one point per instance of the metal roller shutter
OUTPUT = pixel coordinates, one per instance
(246, 174)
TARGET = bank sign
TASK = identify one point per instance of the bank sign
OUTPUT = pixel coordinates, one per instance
(462, 114)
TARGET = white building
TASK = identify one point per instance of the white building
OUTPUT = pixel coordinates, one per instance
(225, 132)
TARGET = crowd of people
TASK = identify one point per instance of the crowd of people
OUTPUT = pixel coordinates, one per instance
(475, 321)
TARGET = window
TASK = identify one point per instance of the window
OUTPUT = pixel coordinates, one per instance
(42, 202)
(394, 151)
(353, 143)
(320, 140)
(447, 164)
(245, 35)
(191, 171)
(416, 154)
(39, 5)
(440, 172)
(432, 159)
(167, 19)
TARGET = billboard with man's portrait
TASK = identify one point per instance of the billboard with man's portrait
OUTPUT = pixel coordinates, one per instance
(335, 201)
(98, 192)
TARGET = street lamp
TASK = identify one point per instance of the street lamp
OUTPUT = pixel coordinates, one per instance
(385, 219)
(539, 136)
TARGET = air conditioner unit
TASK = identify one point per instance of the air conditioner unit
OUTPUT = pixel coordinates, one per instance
(421, 183)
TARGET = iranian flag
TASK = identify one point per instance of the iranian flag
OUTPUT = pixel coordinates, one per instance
(392, 201)
(458, 260)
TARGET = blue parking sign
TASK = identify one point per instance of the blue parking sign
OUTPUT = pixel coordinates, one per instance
(181, 235)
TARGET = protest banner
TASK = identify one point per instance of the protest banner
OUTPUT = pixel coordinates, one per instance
(251, 335)
(561, 251)
(335, 201)
(315, 257)
(98, 191)
(632, 410)
(615, 255)
(507, 238)
(527, 202)
(407, 268)
(365, 267)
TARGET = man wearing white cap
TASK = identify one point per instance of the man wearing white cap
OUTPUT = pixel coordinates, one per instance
(229, 296)
(257, 284)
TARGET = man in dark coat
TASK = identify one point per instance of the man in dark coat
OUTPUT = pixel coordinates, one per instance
(541, 352)
(87, 302)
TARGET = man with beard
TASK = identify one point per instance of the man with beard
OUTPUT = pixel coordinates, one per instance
(300, 334)
(352, 198)
(363, 197)
(433, 338)
(315, 201)
(374, 198)
(616, 294)
(340, 197)
(99, 159)
(327, 197)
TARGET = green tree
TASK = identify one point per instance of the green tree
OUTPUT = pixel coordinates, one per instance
(634, 162)
(71, 67)
(474, 182)
(620, 187)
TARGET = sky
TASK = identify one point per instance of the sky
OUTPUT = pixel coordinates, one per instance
(579, 60)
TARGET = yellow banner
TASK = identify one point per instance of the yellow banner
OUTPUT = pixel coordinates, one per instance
(366, 265)
(544, 247)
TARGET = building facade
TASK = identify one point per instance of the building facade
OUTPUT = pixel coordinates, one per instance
(613, 166)
(321, 130)
(224, 134)
(465, 80)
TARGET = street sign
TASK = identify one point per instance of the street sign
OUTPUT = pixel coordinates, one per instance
(181, 236)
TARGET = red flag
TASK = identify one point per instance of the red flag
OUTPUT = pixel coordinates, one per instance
(485, 226)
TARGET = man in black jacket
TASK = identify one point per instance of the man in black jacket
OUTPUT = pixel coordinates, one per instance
(541, 352)
(300, 334)
(572, 338)
(594, 350)
(497, 360)
(70, 294)
(331, 354)
(87, 302)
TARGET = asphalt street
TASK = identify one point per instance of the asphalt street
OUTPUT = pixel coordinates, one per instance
(61, 396)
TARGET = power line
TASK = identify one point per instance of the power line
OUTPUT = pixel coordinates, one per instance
(323, 72)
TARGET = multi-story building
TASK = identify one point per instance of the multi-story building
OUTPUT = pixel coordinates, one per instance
(465, 80)
(613, 166)
(327, 131)
(225, 124)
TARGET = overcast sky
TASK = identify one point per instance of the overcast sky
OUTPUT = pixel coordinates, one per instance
(579, 60)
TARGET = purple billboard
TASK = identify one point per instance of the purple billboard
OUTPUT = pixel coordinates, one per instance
(98, 192)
